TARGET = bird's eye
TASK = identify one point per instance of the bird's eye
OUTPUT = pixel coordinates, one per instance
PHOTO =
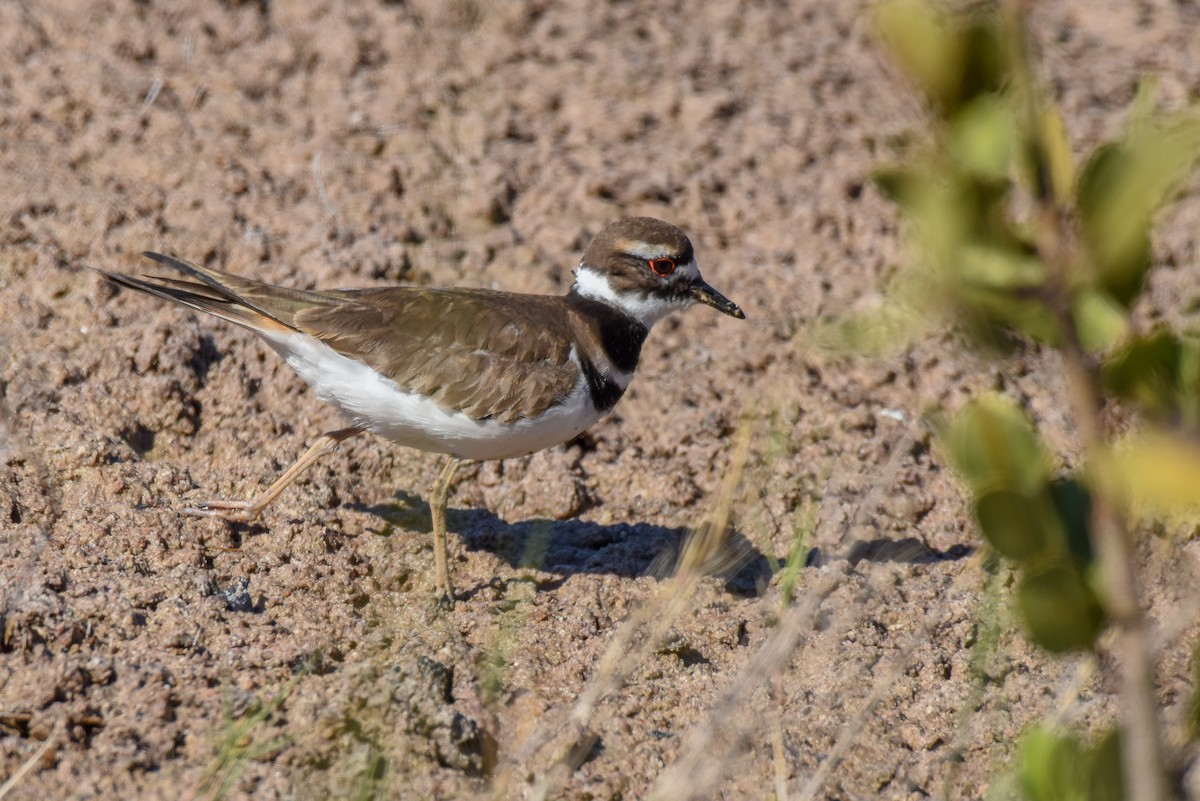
(664, 266)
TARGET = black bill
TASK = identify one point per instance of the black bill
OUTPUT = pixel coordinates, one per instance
(711, 297)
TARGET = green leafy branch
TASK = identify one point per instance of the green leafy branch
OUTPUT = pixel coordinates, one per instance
(1022, 247)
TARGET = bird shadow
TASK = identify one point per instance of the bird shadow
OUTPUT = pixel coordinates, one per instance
(570, 547)
(908, 550)
(631, 550)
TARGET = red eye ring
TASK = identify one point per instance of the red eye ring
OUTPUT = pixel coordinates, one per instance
(662, 266)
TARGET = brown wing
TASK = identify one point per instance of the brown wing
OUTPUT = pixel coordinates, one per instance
(491, 354)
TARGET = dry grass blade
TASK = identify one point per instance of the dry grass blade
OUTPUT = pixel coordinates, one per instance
(241, 741)
(556, 749)
(26, 766)
(711, 745)
(854, 727)
(778, 750)
(886, 678)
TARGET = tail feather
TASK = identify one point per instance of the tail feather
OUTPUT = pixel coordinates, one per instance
(279, 302)
(255, 305)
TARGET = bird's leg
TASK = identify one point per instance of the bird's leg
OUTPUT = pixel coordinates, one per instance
(437, 510)
(245, 511)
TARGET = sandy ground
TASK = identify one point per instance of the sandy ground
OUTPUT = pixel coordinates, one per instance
(144, 654)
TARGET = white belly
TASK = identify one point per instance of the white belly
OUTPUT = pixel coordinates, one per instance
(378, 404)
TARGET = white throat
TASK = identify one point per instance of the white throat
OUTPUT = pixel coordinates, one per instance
(646, 309)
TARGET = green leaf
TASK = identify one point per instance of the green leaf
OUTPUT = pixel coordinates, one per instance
(985, 70)
(1048, 525)
(1073, 505)
(1060, 608)
(1100, 321)
(1051, 766)
(1106, 781)
(982, 136)
(985, 266)
(1016, 525)
(1142, 110)
(927, 44)
(1115, 220)
(1001, 284)
(1154, 472)
(939, 205)
(995, 447)
(1145, 371)
(1160, 372)
(945, 209)
(1058, 163)
(1058, 766)
(1014, 314)
(1045, 158)
(1120, 189)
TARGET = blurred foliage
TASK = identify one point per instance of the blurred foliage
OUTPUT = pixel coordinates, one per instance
(1057, 766)
(1155, 474)
(1000, 156)
(1158, 372)
(1033, 518)
(1016, 243)
(1019, 243)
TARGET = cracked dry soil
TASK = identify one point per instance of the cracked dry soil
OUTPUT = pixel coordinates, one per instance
(143, 653)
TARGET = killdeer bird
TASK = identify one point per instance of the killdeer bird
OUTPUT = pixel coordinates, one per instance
(475, 374)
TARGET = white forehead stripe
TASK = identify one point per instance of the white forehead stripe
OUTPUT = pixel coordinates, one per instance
(644, 250)
(646, 309)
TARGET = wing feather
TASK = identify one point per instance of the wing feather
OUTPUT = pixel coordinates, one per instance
(465, 348)
(468, 349)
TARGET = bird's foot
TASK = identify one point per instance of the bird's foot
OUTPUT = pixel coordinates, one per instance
(445, 600)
